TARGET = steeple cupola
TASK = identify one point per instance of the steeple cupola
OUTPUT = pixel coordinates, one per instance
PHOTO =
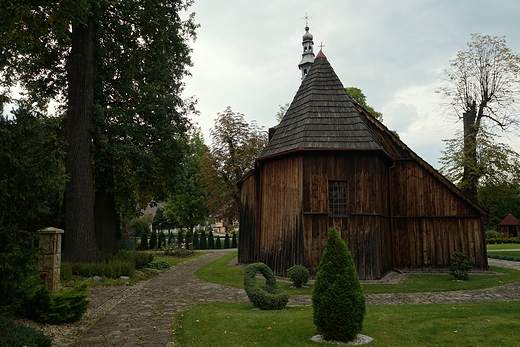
(308, 54)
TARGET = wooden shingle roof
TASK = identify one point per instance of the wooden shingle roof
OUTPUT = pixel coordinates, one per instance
(321, 116)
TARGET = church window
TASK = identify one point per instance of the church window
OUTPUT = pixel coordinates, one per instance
(338, 198)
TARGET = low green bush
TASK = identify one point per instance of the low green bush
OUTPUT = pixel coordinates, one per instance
(299, 275)
(460, 266)
(493, 234)
(267, 297)
(503, 257)
(503, 240)
(12, 335)
(65, 306)
(159, 265)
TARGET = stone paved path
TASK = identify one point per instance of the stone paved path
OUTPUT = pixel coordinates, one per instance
(141, 315)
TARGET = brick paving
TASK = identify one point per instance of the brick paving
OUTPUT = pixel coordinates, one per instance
(141, 314)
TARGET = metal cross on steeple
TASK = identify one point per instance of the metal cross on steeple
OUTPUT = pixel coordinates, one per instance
(321, 45)
(306, 19)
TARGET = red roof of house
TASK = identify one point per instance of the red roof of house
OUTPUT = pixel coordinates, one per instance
(510, 220)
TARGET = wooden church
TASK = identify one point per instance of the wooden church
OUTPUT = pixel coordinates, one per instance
(329, 163)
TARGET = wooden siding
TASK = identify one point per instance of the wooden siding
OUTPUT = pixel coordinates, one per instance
(248, 209)
(280, 241)
(367, 228)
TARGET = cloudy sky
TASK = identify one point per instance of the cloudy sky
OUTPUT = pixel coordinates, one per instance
(247, 53)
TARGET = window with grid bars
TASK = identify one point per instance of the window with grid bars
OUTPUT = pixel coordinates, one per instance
(338, 198)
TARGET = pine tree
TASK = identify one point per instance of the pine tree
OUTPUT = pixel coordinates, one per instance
(337, 298)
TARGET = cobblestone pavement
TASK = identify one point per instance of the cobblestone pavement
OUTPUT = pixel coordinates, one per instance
(141, 315)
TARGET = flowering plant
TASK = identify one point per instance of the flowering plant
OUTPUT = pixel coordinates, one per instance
(178, 249)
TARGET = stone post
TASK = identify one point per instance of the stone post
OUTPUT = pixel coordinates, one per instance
(50, 261)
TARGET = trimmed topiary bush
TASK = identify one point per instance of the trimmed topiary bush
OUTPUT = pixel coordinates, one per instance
(460, 266)
(337, 298)
(144, 240)
(267, 297)
(218, 244)
(227, 244)
(299, 275)
(211, 241)
(65, 306)
(153, 240)
(12, 334)
(234, 241)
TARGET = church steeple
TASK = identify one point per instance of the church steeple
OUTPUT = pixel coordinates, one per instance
(308, 54)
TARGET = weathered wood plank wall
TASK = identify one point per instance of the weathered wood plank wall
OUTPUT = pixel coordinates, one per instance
(248, 211)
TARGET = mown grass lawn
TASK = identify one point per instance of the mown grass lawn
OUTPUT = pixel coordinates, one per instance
(515, 254)
(217, 272)
(492, 247)
(224, 324)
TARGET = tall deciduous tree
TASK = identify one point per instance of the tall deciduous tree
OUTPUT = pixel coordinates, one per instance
(358, 95)
(126, 118)
(482, 86)
(235, 145)
(187, 205)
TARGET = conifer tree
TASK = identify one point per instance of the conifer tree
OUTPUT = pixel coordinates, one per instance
(144, 240)
(226, 241)
(234, 241)
(196, 243)
(337, 299)
(218, 244)
(211, 241)
(203, 243)
(153, 240)
(180, 237)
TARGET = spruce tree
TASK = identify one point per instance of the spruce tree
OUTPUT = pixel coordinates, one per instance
(234, 241)
(162, 240)
(180, 237)
(337, 299)
(218, 244)
(196, 243)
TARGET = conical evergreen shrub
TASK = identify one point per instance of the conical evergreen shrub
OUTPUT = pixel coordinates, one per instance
(234, 241)
(153, 240)
(226, 241)
(203, 242)
(196, 240)
(144, 240)
(218, 244)
(211, 241)
(162, 240)
(337, 298)
(180, 237)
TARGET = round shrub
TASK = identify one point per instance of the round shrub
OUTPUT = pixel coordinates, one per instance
(267, 297)
(337, 298)
(299, 275)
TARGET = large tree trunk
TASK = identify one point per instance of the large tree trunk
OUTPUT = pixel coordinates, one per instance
(79, 242)
(107, 221)
(470, 175)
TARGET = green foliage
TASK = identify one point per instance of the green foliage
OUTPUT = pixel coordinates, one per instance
(268, 296)
(493, 234)
(162, 240)
(218, 244)
(235, 145)
(196, 240)
(203, 243)
(180, 250)
(500, 200)
(211, 241)
(32, 176)
(153, 240)
(234, 241)
(138, 259)
(180, 237)
(337, 298)
(361, 99)
(226, 241)
(140, 225)
(503, 257)
(65, 306)
(144, 240)
(158, 265)
(14, 335)
(460, 266)
(299, 275)
(18, 268)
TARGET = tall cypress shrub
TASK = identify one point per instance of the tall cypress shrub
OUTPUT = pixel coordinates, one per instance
(211, 241)
(218, 244)
(226, 241)
(144, 240)
(234, 241)
(153, 240)
(162, 240)
(180, 237)
(196, 240)
(203, 243)
(337, 298)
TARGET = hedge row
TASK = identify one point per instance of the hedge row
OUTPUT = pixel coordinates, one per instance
(503, 240)
(503, 257)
